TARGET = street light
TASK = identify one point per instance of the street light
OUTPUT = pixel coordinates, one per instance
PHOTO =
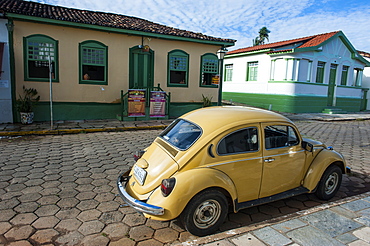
(220, 54)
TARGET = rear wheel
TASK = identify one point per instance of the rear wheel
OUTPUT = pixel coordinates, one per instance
(205, 213)
(329, 183)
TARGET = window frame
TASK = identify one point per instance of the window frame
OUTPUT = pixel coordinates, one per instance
(320, 72)
(242, 152)
(289, 130)
(203, 58)
(179, 54)
(251, 77)
(228, 72)
(344, 75)
(40, 38)
(95, 45)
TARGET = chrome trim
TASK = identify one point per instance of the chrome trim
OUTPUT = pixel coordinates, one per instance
(140, 206)
(287, 153)
(234, 161)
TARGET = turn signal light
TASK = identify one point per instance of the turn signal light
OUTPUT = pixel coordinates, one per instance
(167, 186)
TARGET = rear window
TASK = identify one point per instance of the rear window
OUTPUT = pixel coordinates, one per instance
(181, 134)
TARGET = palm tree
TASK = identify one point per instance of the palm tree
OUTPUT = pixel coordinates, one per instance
(263, 34)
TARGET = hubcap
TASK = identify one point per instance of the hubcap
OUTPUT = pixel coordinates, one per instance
(207, 214)
(331, 183)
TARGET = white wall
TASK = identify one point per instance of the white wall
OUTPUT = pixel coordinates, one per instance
(366, 82)
(5, 85)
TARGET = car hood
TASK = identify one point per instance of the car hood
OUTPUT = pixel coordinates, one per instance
(159, 165)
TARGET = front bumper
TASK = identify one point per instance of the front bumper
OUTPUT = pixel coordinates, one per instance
(136, 204)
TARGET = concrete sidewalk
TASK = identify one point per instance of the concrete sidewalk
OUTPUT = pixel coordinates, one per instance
(110, 125)
(343, 222)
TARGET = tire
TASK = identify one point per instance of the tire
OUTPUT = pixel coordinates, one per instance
(205, 212)
(329, 183)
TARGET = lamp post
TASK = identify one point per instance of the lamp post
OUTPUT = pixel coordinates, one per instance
(220, 54)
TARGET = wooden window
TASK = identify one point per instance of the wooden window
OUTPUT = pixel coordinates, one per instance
(93, 63)
(178, 65)
(252, 71)
(209, 70)
(40, 56)
(320, 72)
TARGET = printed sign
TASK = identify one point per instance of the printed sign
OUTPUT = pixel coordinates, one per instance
(157, 104)
(136, 103)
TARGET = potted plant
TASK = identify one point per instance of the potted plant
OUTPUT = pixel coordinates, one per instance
(207, 101)
(25, 104)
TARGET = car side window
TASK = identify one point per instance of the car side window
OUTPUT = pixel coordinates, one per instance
(278, 136)
(244, 140)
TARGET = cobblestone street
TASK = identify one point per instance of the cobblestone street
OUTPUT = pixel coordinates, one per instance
(61, 189)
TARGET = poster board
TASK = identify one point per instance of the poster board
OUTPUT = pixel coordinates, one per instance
(157, 104)
(136, 103)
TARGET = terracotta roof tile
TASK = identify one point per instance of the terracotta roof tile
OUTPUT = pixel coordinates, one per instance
(364, 54)
(98, 18)
(304, 42)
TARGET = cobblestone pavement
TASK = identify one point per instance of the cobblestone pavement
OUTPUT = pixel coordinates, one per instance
(60, 189)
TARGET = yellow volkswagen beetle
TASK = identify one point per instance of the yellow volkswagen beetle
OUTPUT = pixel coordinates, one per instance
(216, 158)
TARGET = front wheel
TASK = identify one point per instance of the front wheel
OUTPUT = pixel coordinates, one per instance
(329, 183)
(205, 213)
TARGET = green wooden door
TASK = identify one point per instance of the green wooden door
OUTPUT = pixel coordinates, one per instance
(141, 68)
(331, 87)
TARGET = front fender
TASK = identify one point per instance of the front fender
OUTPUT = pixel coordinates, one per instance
(188, 184)
(318, 166)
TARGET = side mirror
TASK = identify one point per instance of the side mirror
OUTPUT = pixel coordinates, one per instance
(307, 146)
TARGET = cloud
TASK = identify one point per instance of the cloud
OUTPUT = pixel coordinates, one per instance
(242, 19)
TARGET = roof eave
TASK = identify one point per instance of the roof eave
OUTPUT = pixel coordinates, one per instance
(247, 53)
(22, 17)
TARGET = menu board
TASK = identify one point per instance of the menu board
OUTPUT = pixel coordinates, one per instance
(157, 104)
(136, 103)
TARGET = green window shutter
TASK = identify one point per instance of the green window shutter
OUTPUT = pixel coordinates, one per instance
(320, 72)
(209, 69)
(93, 63)
(343, 80)
(178, 66)
(40, 52)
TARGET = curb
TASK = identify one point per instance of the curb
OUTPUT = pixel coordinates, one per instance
(82, 130)
(239, 231)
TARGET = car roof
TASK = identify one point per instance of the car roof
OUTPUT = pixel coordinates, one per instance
(213, 118)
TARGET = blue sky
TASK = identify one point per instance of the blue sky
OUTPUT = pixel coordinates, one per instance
(242, 19)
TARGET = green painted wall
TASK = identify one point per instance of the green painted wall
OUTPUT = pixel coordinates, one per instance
(76, 111)
(292, 104)
(93, 111)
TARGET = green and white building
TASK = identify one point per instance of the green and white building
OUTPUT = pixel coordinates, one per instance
(320, 73)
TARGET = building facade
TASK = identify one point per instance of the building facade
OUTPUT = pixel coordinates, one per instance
(311, 74)
(90, 57)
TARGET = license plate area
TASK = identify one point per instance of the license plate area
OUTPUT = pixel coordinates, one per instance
(140, 174)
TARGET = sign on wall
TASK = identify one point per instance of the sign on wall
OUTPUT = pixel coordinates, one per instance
(136, 103)
(157, 104)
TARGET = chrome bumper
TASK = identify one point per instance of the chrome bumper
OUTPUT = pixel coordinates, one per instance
(136, 204)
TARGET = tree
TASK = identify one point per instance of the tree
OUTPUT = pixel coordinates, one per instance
(263, 34)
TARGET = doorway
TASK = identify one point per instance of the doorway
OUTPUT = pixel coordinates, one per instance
(331, 87)
(141, 68)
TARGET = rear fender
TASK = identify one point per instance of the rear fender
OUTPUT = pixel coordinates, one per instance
(317, 168)
(188, 184)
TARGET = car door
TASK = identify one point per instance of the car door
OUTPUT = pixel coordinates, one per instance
(283, 159)
(239, 155)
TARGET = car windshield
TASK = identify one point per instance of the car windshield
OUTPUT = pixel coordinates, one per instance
(182, 134)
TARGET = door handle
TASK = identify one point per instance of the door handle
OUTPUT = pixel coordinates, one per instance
(269, 160)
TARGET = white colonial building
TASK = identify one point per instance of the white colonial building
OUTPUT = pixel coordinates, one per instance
(310, 74)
